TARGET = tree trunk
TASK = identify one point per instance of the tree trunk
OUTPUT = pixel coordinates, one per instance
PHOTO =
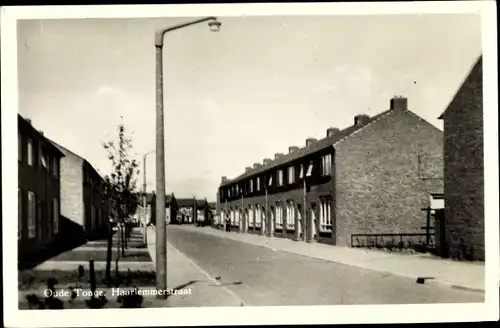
(122, 235)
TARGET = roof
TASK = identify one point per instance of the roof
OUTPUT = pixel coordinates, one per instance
(181, 202)
(67, 152)
(305, 151)
(39, 134)
(476, 67)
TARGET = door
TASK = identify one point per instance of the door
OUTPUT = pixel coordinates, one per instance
(314, 223)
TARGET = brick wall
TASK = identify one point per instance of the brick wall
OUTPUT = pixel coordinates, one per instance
(45, 186)
(72, 188)
(380, 185)
(464, 175)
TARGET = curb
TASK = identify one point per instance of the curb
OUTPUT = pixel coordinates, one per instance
(432, 282)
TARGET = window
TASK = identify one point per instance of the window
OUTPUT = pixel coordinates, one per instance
(19, 214)
(301, 174)
(258, 184)
(251, 185)
(31, 215)
(326, 165)
(291, 175)
(19, 146)
(325, 215)
(30, 152)
(55, 167)
(270, 181)
(43, 158)
(280, 177)
(56, 215)
(310, 169)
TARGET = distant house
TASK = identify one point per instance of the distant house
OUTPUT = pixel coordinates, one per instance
(38, 193)
(188, 209)
(463, 226)
(82, 196)
(371, 178)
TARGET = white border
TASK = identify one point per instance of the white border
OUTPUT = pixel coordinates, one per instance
(249, 315)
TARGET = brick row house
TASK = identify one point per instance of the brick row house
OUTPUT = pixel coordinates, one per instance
(373, 177)
(461, 232)
(38, 193)
(83, 204)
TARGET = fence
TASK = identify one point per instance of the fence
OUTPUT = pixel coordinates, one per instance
(393, 240)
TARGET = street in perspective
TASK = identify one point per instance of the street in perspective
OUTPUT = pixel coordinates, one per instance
(250, 161)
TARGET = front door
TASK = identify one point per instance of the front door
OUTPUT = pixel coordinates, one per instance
(314, 224)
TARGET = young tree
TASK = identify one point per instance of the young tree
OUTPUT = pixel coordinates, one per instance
(121, 185)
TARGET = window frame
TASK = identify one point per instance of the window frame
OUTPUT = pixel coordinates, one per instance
(291, 174)
(32, 212)
(30, 153)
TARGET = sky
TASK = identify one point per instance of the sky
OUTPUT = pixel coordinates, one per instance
(233, 98)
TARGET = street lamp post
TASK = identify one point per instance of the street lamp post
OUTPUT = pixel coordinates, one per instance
(145, 199)
(161, 233)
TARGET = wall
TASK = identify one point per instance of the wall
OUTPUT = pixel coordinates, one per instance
(464, 173)
(46, 188)
(72, 188)
(93, 195)
(380, 185)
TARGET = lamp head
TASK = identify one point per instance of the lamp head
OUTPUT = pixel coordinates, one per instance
(214, 25)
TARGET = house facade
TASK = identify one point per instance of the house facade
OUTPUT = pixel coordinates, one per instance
(83, 204)
(372, 178)
(462, 233)
(38, 192)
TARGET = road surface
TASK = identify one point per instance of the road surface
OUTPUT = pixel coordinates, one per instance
(262, 276)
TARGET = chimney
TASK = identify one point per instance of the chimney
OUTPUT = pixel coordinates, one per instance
(224, 179)
(361, 119)
(292, 149)
(248, 169)
(278, 155)
(310, 141)
(28, 120)
(399, 103)
(256, 165)
(266, 161)
(41, 132)
(331, 131)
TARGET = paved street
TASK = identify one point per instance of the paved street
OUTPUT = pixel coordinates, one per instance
(262, 276)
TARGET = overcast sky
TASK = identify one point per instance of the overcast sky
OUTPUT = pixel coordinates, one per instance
(235, 97)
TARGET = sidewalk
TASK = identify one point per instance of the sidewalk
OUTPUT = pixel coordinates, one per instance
(96, 250)
(455, 274)
(184, 274)
(136, 269)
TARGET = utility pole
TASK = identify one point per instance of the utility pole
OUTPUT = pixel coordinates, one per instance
(161, 232)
